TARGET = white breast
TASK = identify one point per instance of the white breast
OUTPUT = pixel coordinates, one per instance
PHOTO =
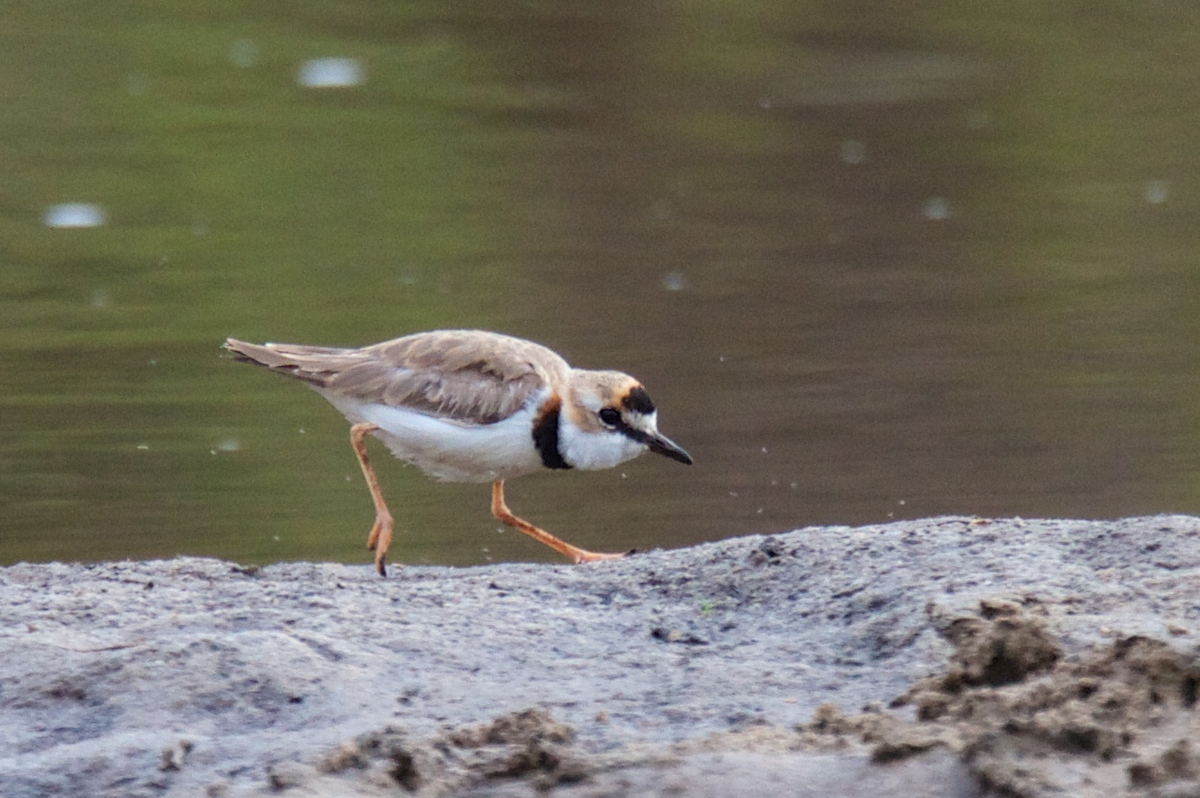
(448, 450)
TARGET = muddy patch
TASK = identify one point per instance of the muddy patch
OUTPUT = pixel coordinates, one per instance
(942, 657)
(1009, 715)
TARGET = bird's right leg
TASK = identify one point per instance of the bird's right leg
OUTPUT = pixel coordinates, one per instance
(575, 554)
(381, 532)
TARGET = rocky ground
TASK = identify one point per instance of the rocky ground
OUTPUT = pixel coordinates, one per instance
(942, 657)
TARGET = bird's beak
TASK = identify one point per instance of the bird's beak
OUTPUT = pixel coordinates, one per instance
(663, 445)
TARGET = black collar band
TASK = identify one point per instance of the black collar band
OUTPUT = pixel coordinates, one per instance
(545, 435)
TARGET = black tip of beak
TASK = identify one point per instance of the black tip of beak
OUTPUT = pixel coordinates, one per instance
(667, 448)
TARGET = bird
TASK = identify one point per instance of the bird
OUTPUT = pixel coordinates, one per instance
(474, 406)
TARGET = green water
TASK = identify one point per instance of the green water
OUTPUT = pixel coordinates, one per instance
(871, 262)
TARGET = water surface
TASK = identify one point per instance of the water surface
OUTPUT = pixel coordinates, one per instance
(870, 265)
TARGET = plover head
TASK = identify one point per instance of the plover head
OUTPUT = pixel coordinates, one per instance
(608, 418)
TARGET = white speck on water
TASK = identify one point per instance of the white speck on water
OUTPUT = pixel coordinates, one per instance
(937, 209)
(229, 445)
(733, 493)
(759, 511)
(74, 214)
(142, 447)
(152, 363)
(323, 73)
(721, 359)
(978, 119)
(674, 281)
(764, 450)
(101, 298)
(1156, 191)
(902, 502)
(302, 431)
(793, 485)
(853, 151)
(243, 53)
(275, 538)
(765, 103)
(135, 84)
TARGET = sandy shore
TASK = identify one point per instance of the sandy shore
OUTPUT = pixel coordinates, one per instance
(942, 657)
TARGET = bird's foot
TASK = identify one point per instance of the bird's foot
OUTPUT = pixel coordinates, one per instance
(582, 556)
(379, 540)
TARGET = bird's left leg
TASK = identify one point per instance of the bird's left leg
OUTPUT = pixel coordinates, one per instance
(381, 532)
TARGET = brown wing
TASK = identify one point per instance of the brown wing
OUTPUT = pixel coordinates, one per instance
(468, 375)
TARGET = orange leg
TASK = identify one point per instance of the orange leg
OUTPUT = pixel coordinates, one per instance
(573, 553)
(381, 532)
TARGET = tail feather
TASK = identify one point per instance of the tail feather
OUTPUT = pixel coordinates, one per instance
(312, 364)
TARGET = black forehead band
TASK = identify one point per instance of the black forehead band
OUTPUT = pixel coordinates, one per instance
(638, 401)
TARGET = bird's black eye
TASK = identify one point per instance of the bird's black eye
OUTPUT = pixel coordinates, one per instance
(610, 417)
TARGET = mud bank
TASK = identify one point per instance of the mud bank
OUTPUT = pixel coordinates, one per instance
(945, 657)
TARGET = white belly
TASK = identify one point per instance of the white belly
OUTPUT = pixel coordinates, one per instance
(448, 450)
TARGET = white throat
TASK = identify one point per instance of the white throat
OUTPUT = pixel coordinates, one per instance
(591, 451)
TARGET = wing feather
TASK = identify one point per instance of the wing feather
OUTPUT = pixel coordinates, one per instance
(471, 376)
